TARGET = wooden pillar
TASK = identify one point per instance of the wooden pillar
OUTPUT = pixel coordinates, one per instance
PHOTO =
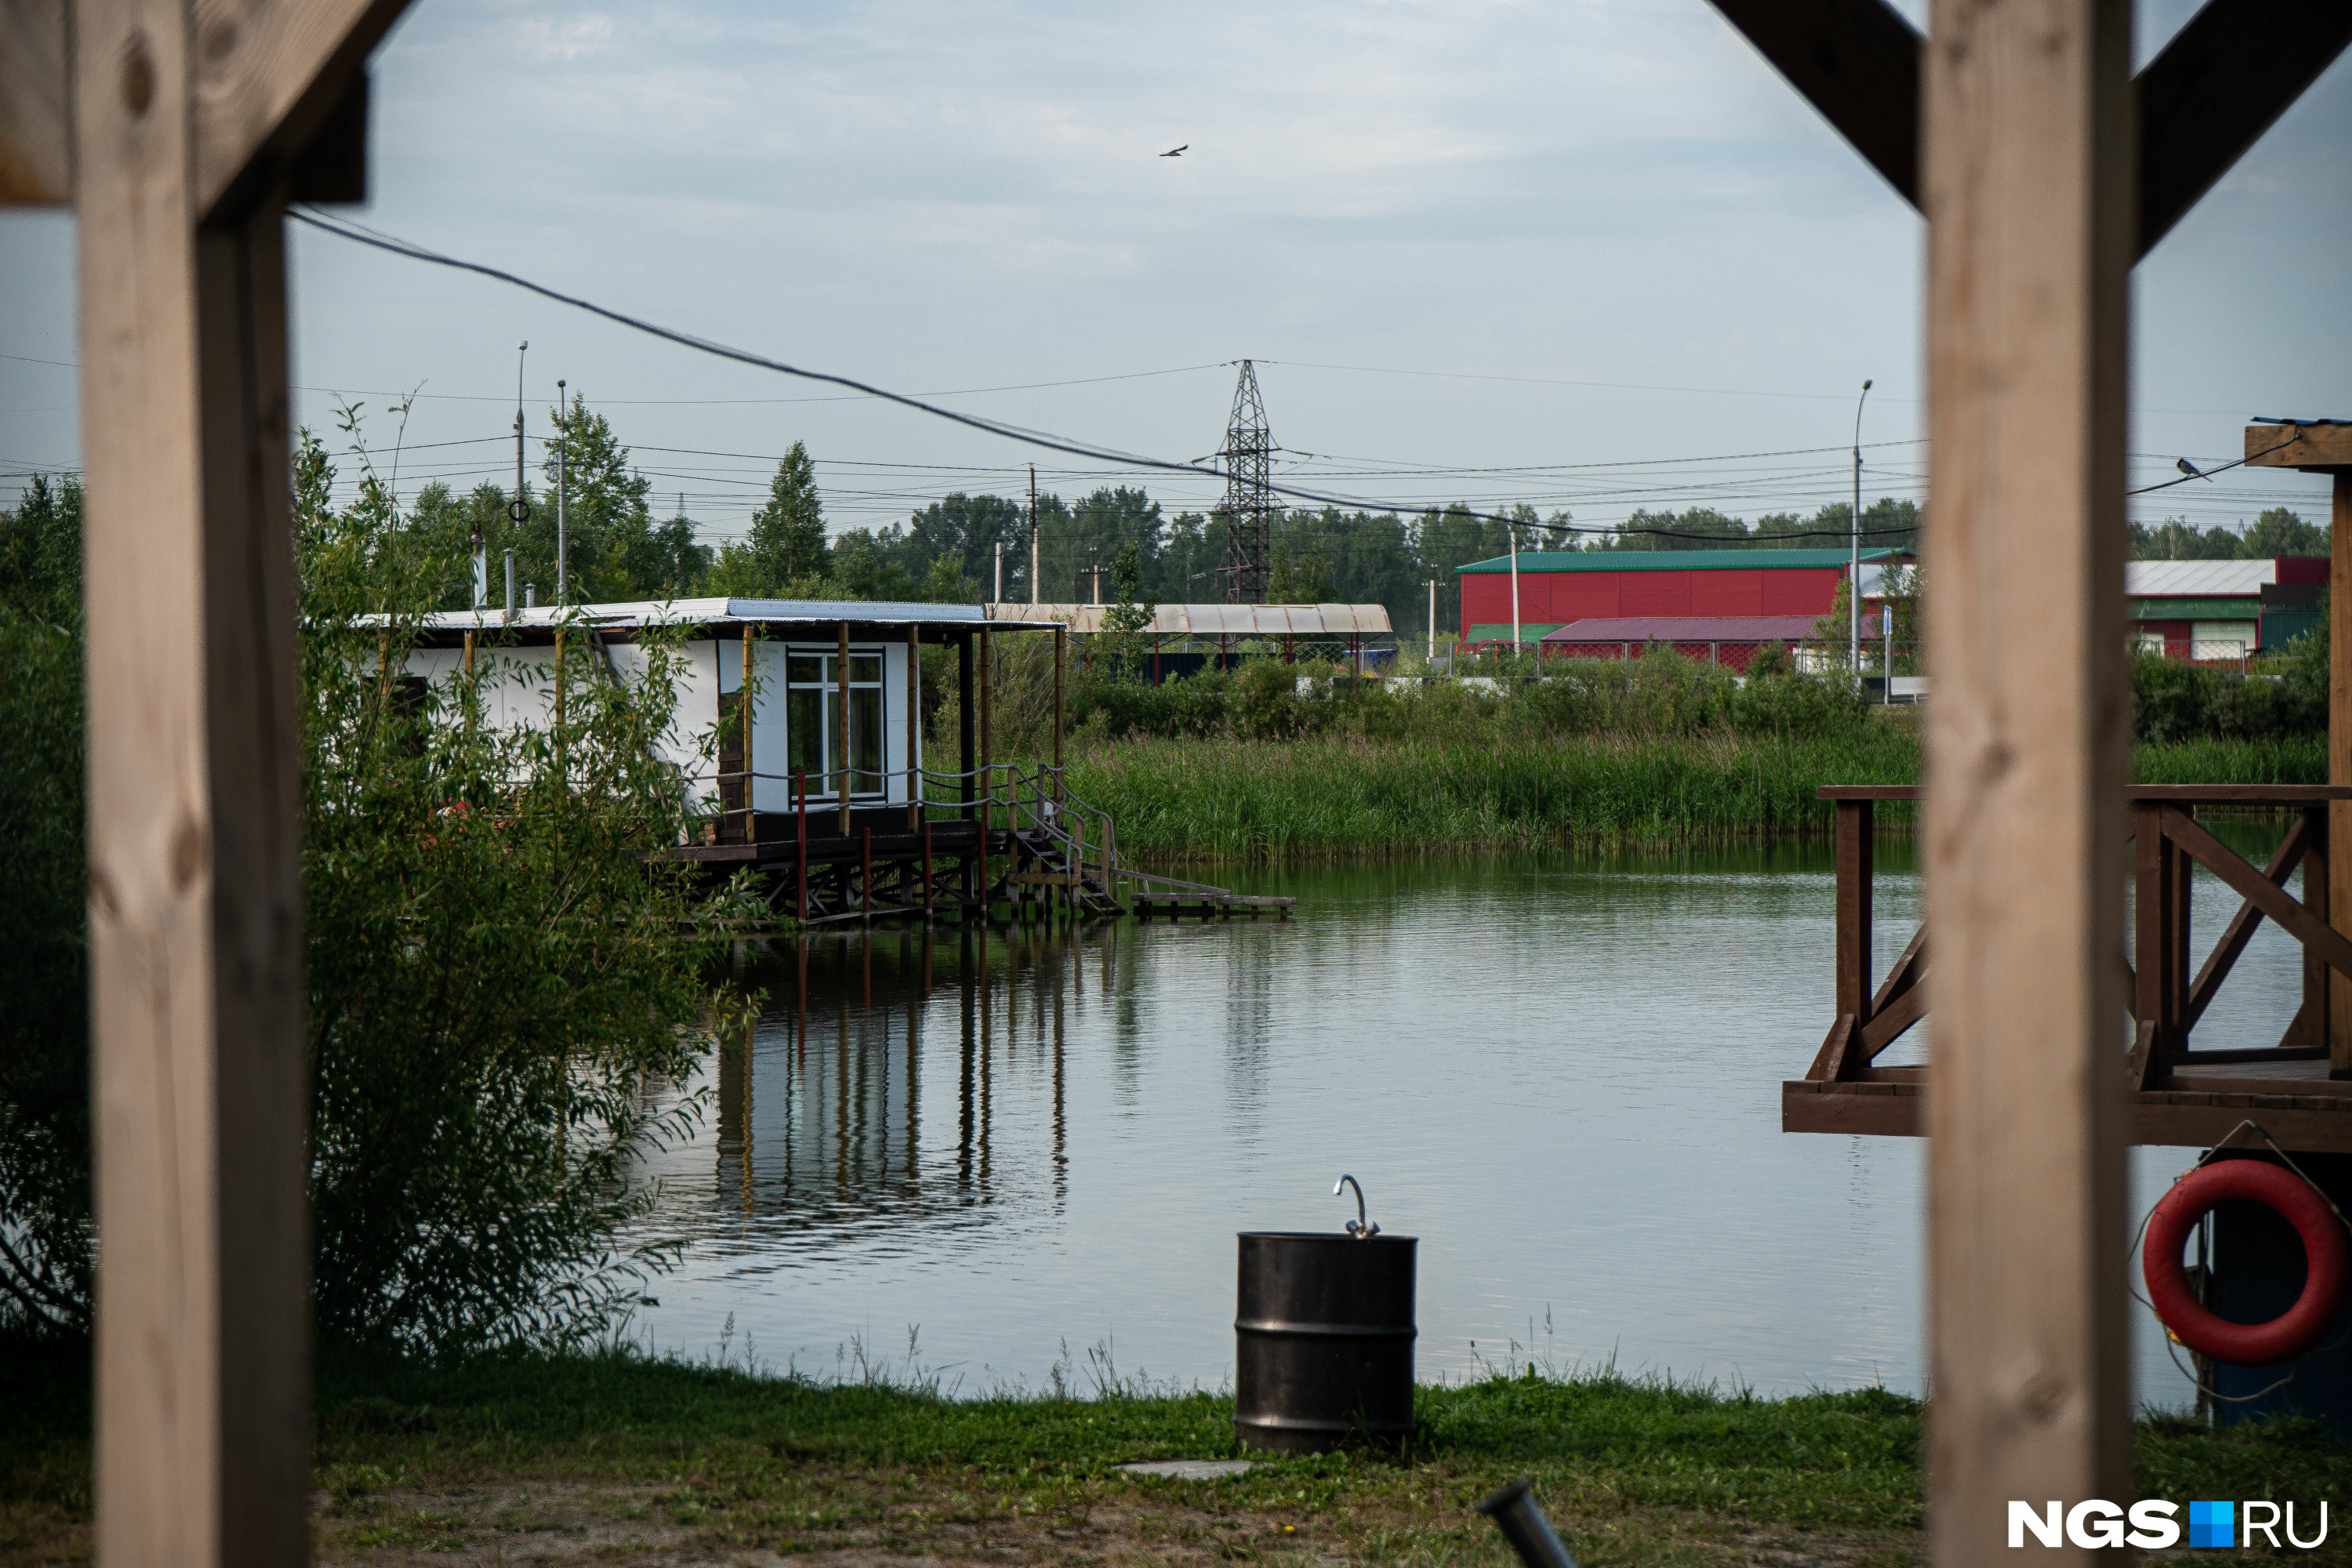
(2327, 449)
(1856, 825)
(2339, 764)
(842, 777)
(744, 708)
(200, 1083)
(914, 729)
(987, 741)
(2312, 1027)
(2030, 194)
(965, 762)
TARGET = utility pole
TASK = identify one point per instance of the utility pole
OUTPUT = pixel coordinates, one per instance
(518, 510)
(1033, 533)
(999, 597)
(561, 580)
(1249, 502)
(1432, 621)
(1854, 592)
(1515, 588)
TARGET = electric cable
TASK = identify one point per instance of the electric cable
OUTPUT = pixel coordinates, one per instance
(359, 234)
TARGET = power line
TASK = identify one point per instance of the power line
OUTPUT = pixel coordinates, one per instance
(361, 235)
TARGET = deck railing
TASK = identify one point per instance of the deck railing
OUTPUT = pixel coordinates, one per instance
(2301, 1093)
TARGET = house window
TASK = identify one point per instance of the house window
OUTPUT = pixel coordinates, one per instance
(812, 739)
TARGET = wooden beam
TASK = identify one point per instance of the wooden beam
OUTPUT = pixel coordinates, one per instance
(2243, 925)
(269, 75)
(36, 118)
(2028, 189)
(332, 166)
(2224, 80)
(196, 921)
(1857, 61)
(2314, 448)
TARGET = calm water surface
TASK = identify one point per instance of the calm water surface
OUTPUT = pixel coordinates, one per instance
(1560, 1073)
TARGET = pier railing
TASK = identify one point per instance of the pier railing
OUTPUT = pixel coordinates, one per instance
(2169, 989)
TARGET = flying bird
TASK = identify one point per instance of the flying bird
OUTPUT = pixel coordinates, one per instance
(1175, 151)
(2192, 469)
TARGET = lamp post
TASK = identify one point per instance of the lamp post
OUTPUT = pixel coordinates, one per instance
(1854, 592)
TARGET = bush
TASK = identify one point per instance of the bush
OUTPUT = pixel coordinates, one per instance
(494, 976)
(2173, 701)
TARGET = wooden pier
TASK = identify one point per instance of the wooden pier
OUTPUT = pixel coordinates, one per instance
(1034, 852)
(2299, 1090)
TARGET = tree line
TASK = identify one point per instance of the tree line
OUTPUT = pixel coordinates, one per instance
(949, 551)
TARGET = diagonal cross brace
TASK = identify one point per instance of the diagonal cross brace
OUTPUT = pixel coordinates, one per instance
(2267, 896)
(2222, 81)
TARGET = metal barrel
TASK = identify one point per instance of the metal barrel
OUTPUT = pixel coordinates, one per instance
(1324, 1332)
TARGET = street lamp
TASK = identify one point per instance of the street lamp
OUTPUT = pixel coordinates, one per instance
(1854, 594)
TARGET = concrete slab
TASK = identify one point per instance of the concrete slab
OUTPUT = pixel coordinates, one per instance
(1189, 1470)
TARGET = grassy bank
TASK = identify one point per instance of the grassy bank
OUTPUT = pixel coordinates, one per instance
(1336, 795)
(624, 1460)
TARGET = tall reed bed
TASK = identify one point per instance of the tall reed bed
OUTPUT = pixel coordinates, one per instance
(1334, 796)
(1328, 796)
(2287, 759)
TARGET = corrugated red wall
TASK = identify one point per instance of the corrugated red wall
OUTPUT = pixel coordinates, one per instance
(1560, 597)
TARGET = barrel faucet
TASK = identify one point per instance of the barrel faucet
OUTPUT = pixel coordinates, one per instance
(1357, 1227)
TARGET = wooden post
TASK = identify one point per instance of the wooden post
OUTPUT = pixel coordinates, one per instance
(987, 741)
(914, 730)
(2311, 1022)
(178, 135)
(2327, 449)
(965, 749)
(1060, 656)
(744, 710)
(2028, 189)
(841, 763)
(1856, 823)
(800, 868)
(2338, 1018)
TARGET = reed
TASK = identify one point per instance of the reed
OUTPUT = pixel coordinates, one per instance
(1338, 796)
(1331, 796)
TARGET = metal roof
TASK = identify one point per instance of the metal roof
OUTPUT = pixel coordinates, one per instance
(2196, 579)
(711, 612)
(1216, 620)
(1685, 628)
(1678, 560)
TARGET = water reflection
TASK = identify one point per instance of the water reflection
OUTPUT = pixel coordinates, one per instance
(1561, 1072)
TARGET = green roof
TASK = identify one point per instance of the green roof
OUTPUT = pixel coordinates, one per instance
(1675, 560)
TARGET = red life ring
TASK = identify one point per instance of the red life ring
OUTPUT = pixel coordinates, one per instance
(2297, 1202)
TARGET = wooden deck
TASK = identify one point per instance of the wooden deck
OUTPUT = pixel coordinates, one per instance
(2176, 1094)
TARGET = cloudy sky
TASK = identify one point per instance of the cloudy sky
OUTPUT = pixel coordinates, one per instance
(1455, 235)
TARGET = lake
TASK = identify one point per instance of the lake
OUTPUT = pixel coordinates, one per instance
(1028, 1157)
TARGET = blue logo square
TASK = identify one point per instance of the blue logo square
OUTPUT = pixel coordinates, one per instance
(2213, 1524)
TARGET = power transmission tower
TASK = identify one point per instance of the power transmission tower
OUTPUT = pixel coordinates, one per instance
(1248, 507)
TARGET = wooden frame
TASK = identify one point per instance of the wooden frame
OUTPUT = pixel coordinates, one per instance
(179, 132)
(2179, 1094)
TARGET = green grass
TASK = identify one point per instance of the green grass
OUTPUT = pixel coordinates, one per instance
(466, 1461)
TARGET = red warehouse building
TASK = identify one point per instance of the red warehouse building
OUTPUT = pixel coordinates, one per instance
(1687, 588)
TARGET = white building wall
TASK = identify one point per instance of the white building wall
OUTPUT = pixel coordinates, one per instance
(518, 691)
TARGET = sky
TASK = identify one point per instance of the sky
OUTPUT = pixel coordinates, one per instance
(1590, 254)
